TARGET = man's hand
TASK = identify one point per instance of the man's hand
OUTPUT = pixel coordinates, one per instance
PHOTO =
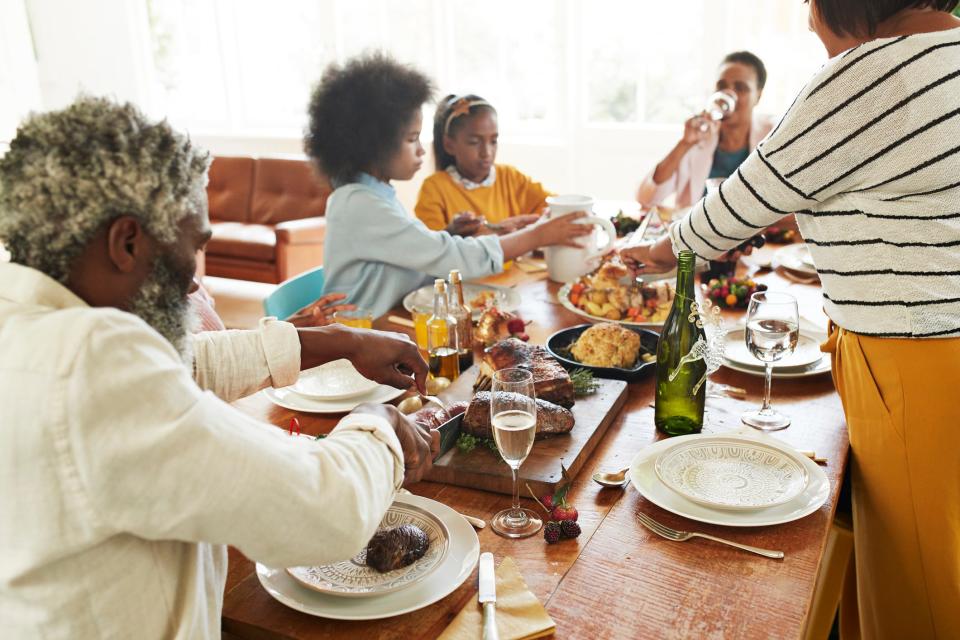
(388, 358)
(382, 356)
(465, 223)
(418, 443)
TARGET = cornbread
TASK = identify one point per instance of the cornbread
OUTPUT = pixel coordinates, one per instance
(607, 345)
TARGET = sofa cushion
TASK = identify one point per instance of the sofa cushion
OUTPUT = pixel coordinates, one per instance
(229, 188)
(238, 240)
(286, 190)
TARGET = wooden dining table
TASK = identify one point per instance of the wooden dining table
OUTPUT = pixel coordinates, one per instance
(617, 580)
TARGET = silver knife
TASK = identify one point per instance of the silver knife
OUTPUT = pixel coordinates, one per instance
(488, 596)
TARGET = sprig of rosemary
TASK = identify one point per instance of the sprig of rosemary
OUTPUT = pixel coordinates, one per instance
(467, 443)
(583, 382)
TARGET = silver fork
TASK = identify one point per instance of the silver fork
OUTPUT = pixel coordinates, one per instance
(682, 536)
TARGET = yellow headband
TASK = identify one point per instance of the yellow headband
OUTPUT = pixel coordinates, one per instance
(461, 107)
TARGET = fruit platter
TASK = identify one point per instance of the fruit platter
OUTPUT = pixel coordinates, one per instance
(608, 294)
(732, 293)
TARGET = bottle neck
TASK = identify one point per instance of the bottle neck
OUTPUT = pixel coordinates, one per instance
(685, 276)
(440, 305)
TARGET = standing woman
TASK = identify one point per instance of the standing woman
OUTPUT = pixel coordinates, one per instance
(867, 156)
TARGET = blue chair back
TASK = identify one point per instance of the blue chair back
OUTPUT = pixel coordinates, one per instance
(294, 294)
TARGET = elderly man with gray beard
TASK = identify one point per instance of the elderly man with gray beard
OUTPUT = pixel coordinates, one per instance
(123, 473)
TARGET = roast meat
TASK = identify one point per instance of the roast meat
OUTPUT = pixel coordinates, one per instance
(550, 380)
(396, 547)
(551, 419)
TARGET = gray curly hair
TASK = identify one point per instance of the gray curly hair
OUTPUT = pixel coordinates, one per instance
(68, 173)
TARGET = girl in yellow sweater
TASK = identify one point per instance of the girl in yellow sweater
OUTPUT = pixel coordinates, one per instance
(469, 194)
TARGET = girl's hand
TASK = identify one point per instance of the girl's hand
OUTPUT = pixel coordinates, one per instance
(465, 223)
(562, 231)
(320, 312)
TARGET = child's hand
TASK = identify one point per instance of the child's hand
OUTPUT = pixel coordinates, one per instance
(515, 223)
(465, 223)
(319, 312)
(562, 231)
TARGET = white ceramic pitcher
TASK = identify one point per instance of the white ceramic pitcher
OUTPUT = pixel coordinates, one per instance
(566, 264)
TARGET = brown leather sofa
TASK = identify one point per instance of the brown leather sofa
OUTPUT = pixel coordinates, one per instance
(267, 218)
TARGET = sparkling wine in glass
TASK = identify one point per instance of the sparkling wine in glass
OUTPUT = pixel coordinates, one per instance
(513, 414)
(773, 328)
(719, 105)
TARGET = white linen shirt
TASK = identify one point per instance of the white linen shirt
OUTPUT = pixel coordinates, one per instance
(121, 480)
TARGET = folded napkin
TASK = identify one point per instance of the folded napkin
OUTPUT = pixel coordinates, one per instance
(520, 616)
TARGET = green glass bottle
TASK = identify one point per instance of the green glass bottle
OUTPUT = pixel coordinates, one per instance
(678, 408)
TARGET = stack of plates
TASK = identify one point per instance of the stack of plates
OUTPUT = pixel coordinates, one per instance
(736, 480)
(335, 387)
(795, 258)
(806, 359)
(350, 590)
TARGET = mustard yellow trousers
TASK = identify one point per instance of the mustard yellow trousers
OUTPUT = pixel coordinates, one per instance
(901, 398)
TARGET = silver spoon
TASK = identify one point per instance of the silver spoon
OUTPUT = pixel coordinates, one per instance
(612, 480)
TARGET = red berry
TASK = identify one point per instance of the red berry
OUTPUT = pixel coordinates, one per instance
(552, 532)
(547, 501)
(522, 336)
(516, 326)
(569, 529)
(564, 512)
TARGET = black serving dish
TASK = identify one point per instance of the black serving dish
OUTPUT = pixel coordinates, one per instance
(565, 337)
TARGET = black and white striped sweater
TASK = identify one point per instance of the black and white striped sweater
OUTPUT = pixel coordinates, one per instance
(868, 156)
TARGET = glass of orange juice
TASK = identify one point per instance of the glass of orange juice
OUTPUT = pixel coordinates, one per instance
(358, 318)
(421, 314)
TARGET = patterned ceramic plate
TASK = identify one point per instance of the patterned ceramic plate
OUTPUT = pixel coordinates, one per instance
(353, 578)
(335, 380)
(730, 473)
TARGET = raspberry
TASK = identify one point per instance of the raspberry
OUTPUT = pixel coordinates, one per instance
(569, 529)
(552, 532)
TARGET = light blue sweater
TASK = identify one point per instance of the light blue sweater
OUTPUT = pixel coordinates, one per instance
(376, 252)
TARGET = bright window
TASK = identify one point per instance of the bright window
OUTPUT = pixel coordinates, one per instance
(246, 67)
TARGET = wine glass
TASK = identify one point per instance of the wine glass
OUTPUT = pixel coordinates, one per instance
(513, 414)
(773, 327)
(719, 105)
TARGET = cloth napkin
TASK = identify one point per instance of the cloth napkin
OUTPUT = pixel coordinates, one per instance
(520, 616)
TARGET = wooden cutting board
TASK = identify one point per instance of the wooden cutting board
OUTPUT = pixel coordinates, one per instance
(484, 469)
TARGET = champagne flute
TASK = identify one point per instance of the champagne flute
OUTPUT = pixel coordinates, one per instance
(513, 414)
(773, 328)
(719, 105)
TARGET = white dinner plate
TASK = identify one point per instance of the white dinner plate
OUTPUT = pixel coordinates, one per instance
(732, 473)
(795, 257)
(353, 578)
(563, 295)
(507, 299)
(289, 399)
(644, 478)
(455, 568)
(806, 353)
(335, 380)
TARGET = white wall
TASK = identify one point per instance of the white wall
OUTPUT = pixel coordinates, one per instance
(19, 87)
